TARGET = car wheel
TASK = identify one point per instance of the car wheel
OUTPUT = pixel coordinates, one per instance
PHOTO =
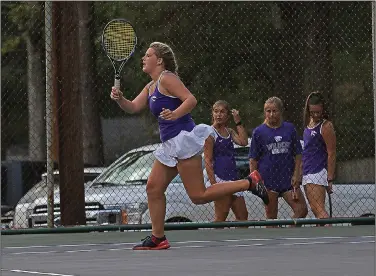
(178, 219)
(181, 220)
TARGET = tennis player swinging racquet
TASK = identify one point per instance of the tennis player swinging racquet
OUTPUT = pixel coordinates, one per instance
(119, 42)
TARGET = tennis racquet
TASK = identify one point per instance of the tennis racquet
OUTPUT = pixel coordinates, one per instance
(119, 42)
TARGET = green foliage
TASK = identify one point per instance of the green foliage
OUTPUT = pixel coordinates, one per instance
(230, 51)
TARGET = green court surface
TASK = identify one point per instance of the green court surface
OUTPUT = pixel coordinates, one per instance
(211, 234)
(308, 251)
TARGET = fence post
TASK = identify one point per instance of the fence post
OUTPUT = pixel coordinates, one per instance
(49, 114)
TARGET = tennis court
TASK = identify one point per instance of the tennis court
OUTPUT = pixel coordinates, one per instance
(309, 251)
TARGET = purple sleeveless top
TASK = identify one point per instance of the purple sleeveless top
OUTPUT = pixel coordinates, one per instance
(168, 129)
(224, 157)
(315, 155)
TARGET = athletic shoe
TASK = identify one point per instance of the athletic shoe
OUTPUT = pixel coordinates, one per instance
(259, 189)
(152, 243)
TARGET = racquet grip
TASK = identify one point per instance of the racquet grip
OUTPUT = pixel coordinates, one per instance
(117, 83)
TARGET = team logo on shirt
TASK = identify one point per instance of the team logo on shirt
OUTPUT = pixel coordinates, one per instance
(278, 147)
(154, 98)
(313, 133)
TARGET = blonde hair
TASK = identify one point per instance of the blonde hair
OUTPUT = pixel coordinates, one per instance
(276, 101)
(165, 52)
(223, 103)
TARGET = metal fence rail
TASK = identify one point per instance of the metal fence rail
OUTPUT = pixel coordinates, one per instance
(70, 156)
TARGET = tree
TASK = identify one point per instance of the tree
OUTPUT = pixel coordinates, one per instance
(28, 17)
(91, 125)
(36, 82)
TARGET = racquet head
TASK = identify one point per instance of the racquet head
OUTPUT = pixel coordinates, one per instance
(119, 39)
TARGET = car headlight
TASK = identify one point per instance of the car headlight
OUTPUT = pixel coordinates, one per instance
(138, 208)
(129, 213)
(29, 211)
(114, 207)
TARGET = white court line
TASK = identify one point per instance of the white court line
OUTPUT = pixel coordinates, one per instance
(304, 243)
(36, 272)
(184, 242)
(246, 245)
(247, 240)
(67, 245)
(315, 238)
(195, 246)
(192, 242)
(362, 242)
(34, 252)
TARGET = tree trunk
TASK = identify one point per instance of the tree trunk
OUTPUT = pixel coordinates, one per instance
(71, 165)
(319, 75)
(91, 124)
(289, 60)
(36, 94)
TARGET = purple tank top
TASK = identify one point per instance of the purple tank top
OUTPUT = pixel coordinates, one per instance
(168, 129)
(224, 157)
(315, 155)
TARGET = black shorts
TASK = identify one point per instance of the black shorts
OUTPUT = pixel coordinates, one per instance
(280, 192)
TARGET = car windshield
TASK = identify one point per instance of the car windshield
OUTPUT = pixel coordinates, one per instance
(134, 168)
(241, 160)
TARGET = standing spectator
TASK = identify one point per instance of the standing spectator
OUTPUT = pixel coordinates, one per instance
(220, 159)
(276, 152)
(319, 154)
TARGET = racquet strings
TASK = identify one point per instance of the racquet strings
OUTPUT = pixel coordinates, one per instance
(119, 40)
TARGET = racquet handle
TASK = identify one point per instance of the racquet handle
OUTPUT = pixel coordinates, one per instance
(117, 83)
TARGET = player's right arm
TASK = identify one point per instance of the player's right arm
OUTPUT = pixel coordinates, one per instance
(208, 154)
(252, 165)
(135, 106)
(254, 152)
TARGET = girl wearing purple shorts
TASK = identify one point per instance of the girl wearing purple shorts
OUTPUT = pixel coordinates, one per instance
(275, 152)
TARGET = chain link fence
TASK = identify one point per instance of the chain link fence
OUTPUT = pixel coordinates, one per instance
(61, 130)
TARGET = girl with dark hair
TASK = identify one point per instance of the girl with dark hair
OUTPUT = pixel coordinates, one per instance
(319, 153)
(182, 142)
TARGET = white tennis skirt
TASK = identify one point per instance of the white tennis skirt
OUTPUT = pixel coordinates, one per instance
(183, 146)
(320, 178)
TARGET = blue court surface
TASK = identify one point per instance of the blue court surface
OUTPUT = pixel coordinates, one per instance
(306, 251)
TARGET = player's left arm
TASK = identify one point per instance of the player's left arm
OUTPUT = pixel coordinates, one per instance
(297, 176)
(175, 87)
(241, 137)
(330, 139)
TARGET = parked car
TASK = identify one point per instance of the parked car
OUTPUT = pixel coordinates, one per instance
(118, 195)
(39, 190)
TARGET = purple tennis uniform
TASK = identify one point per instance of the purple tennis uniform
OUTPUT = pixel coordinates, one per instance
(168, 129)
(224, 158)
(315, 155)
(275, 151)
